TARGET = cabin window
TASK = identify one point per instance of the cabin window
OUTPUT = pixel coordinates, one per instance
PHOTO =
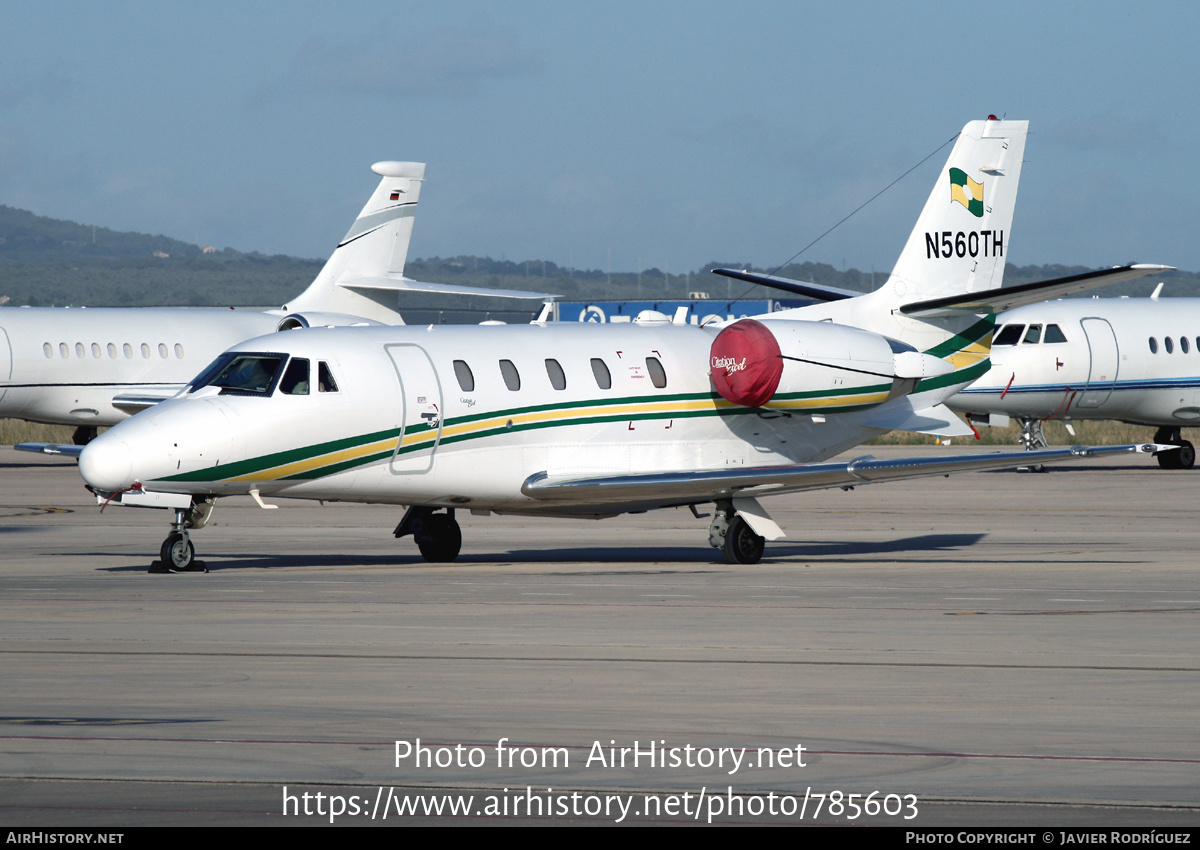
(295, 379)
(1153, 345)
(1168, 345)
(1033, 336)
(1183, 345)
(657, 375)
(512, 378)
(145, 351)
(63, 351)
(1054, 334)
(600, 370)
(128, 349)
(325, 381)
(96, 350)
(1009, 335)
(162, 350)
(79, 350)
(178, 351)
(112, 351)
(241, 374)
(466, 380)
(558, 379)
(47, 349)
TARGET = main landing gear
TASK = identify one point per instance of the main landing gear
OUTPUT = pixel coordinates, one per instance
(437, 534)
(730, 533)
(177, 553)
(1182, 458)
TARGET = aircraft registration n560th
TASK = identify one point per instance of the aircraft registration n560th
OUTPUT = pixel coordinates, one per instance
(597, 420)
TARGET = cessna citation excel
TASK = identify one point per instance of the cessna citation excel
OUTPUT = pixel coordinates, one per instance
(582, 420)
(1132, 359)
(91, 367)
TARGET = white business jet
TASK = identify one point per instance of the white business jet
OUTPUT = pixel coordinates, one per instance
(596, 420)
(91, 367)
(1131, 359)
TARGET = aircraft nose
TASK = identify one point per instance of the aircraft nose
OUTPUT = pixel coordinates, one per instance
(107, 464)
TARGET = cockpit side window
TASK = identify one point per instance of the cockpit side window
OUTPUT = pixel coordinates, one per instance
(1009, 335)
(238, 373)
(295, 379)
(1054, 334)
(1033, 336)
(325, 381)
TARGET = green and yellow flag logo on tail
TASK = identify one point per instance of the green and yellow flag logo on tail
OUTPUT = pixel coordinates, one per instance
(966, 191)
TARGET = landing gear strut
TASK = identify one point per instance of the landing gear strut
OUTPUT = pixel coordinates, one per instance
(437, 534)
(1033, 437)
(1182, 458)
(734, 536)
(177, 553)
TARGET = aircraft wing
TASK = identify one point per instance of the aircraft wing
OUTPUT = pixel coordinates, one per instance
(685, 487)
(50, 448)
(797, 287)
(1008, 297)
(406, 284)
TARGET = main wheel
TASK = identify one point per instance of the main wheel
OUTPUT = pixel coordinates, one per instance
(177, 552)
(742, 545)
(1183, 457)
(441, 540)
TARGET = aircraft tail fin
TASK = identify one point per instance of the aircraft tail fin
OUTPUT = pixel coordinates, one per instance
(375, 246)
(961, 239)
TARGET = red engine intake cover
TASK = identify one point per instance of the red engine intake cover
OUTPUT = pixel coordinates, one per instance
(746, 363)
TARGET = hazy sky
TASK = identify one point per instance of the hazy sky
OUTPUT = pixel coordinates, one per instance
(673, 133)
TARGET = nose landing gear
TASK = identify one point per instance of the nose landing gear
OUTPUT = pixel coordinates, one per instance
(730, 533)
(177, 554)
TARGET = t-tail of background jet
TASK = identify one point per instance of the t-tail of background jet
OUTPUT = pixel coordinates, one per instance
(355, 279)
(364, 277)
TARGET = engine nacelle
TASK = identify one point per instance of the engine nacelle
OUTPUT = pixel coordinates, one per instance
(292, 321)
(814, 366)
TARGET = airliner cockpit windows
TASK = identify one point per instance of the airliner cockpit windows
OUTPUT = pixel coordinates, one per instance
(1009, 335)
(325, 381)
(1033, 336)
(242, 374)
(1054, 334)
(295, 379)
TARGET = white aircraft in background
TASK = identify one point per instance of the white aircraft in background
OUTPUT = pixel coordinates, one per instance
(597, 420)
(1131, 359)
(91, 367)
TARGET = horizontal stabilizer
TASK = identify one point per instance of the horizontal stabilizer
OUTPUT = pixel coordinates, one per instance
(404, 284)
(938, 421)
(666, 488)
(796, 287)
(50, 448)
(1008, 297)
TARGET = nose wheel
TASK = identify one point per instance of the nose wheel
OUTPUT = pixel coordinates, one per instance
(1182, 458)
(177, 554)
(437, 534)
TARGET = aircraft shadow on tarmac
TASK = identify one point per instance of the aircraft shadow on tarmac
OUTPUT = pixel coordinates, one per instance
(638, 556)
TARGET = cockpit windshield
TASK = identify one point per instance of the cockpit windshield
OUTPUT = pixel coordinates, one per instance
(238, 373)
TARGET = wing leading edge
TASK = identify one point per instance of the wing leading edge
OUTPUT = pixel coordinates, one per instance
(684, 487)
